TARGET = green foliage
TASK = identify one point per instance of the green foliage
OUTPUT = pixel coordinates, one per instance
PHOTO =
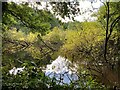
(55, 38)
(31, 78)
(15, 16)
(74, 26)
(114, 13)
(33, 55)
(79, 43)
(19, 47)
(34, 39)
(65, 9)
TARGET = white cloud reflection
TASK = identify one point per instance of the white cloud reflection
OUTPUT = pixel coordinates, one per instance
(59, 68)
(15, 70)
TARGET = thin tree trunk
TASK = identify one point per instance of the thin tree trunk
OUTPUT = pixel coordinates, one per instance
(107, 29)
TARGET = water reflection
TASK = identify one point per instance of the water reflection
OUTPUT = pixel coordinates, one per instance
(61, 70)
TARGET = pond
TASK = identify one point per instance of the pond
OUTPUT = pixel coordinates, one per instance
(61, 69)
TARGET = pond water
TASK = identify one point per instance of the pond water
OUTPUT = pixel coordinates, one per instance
(60, 69)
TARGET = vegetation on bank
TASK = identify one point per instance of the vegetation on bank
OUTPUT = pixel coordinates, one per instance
(33, 38)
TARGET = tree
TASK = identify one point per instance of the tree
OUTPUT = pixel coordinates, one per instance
(36, 42)
(109, 29)
(15, 16)
(111, 22)
(65, 9)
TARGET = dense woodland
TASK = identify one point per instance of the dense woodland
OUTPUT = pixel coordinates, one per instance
(33, 38)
